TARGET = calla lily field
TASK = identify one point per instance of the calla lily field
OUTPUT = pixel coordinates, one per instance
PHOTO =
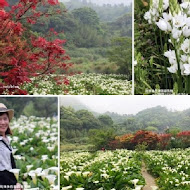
(81, 84)
(35, 148)
(172, 168)
(121, 170)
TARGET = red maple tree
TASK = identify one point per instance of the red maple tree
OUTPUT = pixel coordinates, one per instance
(24, 57)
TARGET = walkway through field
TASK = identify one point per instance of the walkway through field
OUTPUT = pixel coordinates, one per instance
(150, 181)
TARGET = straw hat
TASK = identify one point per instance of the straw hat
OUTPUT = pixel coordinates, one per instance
(10, 112)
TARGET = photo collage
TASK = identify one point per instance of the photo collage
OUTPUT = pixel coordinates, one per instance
(94, 94)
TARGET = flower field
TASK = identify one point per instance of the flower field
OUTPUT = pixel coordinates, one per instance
(35, 149)
(121, 170)
(172, 168)
(81, 84)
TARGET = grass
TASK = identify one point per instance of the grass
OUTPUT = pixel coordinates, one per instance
(72, 147)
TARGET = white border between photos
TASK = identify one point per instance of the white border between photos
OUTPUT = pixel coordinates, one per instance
(58, 114)
(133, 50)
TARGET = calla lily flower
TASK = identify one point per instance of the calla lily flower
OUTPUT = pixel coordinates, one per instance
(15, 172)
(162, 24)
(66, 188)
(135, 181)
(51, 179)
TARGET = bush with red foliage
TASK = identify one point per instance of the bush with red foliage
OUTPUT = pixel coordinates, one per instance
(24, 57)
(151, 139)
(114, 144)
(184, 138)
(125, 141)
(164, 141)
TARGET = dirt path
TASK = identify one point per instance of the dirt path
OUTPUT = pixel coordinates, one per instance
(150, 181)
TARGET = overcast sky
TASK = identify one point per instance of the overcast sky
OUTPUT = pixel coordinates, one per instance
(132, 104)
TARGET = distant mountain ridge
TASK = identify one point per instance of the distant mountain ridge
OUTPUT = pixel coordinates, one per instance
(107, 10)
(159, 117)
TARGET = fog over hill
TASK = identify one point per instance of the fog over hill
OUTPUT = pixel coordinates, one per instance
(74, 103)
(130, 104)
(101, 2)
(157, 116)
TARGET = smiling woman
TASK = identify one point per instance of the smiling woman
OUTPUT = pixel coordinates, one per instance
(7, 179)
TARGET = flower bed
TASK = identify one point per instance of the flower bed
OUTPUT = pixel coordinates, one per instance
(90, 84)
(172, 168)
(34, 143)
(118, 169)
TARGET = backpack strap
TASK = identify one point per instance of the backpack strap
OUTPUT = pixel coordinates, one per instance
(13, 164)
(6, 145)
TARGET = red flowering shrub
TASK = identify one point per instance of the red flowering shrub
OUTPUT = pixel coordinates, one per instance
(151, 139)
(125, 138)
(164, 141)
(125, 141)
(184, 138)
(114, 144)
(22, 58)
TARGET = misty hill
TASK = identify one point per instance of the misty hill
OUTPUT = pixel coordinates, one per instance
(100, 2)
(158, 118)
(106, 12)
(122, 25)
(111, 2)
(118, 118)
(162, 119)
(74, 103)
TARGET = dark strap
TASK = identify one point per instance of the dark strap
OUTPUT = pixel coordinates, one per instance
(7, 178)
(13, 164)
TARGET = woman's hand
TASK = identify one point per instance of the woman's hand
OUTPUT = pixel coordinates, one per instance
(18, 186)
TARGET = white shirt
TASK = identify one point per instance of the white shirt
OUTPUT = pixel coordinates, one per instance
(5, 155)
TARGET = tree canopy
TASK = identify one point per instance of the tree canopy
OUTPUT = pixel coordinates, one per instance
(23, 53)
(31, 106)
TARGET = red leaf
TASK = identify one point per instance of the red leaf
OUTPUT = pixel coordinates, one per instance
(3, 3)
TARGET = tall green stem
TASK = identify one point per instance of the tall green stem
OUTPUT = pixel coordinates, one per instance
(156, 42)
(165, 66)
(179, 77)
(187, 84)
